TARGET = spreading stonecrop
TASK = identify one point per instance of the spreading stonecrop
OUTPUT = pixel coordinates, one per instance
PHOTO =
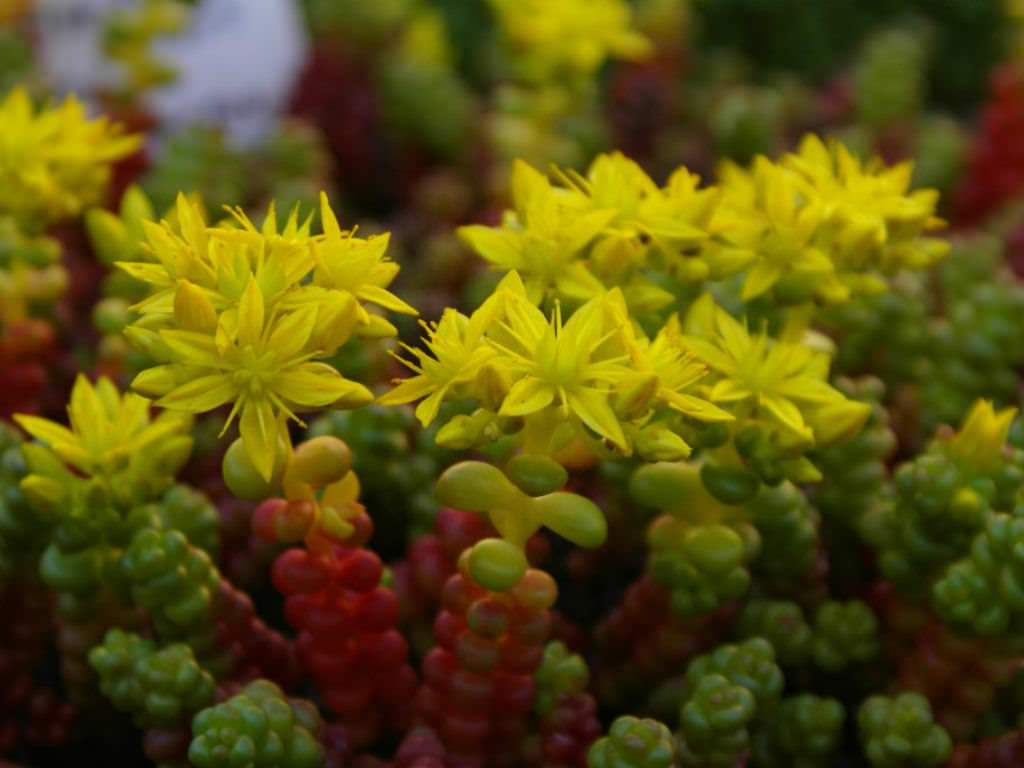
(245, 316)
(608, 336)
(54, 162)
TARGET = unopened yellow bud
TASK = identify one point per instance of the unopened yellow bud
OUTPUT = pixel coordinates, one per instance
(158, 380)
(634, 395)
(463, 432)
(492, 385)
(838, 420)
(658, 443)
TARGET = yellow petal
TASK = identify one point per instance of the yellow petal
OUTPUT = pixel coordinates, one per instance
(258, 428)
(760, 278)
(193, 348)
(88, 416)
(250, 314)
(327, 218)
(291, 333)
(201, 395)
(784, 410)
(408, 390)
(193, 309)
(313, 385)
(377, 295)
(154, 274)
(527, 396)
(593, 410)
(498, 246)
(427, 410)
(61, 440)
(696, 407)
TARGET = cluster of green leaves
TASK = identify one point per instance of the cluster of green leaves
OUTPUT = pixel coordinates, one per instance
(942, 498)
(158, 687)
(900, 731)
(725, 691)
(947, 342)
(257, 727)
(560, 672)
(633, 743)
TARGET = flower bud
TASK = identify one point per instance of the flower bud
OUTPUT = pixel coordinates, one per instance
(634, 395)
(659, 443)
(492, 385)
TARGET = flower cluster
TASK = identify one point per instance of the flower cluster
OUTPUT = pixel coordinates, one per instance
(54, 162)
(598, 378)
(568, 37)
(244, 316)
(113, 443)
(818, 224)
(592, 377)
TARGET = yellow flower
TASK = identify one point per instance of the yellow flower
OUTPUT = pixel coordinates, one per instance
(180, 255)
(677, 372)
(542, 239)
(54, 163)
(454, 355)
(776, 226)
(875, 218)
(981, 438)
(782, 377)
(568, 37)
(109, 431)
(645, 217)
(562, 365)
(267, 373)
(351, 270)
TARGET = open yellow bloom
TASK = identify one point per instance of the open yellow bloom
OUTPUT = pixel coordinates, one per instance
(676, 371)
(981, 438)
(112, 438)
(782, 378)
(241, 315)
(353, 270)
(562, 365)
(776, 226)
(55, 162)
(543, 238)
(455, 352)
(267, 373)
